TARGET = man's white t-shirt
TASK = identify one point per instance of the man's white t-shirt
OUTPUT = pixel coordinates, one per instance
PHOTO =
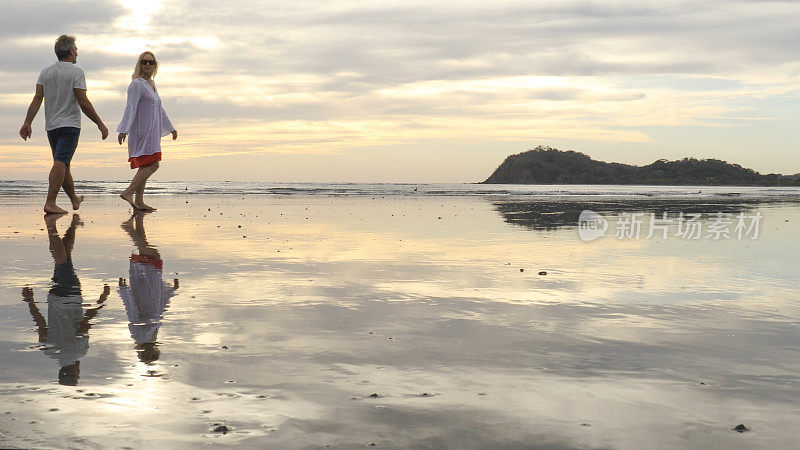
(61, 108)
(64, 316)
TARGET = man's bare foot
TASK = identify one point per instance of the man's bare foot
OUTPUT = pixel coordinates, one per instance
(143, 207)
(76, 221)
(128, 198)
(51, 219)
(77, 202)
(53, 209)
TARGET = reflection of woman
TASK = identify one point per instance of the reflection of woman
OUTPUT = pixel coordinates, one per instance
(144, 123)
(66, 329)
(148, 295)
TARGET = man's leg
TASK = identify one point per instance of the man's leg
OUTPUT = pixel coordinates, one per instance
(63, 142)
(69, 189)
(56, 243)
(69, 236)
(56, 180)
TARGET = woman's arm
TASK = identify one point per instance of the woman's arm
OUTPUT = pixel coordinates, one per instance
(134, 93)
(166, 125)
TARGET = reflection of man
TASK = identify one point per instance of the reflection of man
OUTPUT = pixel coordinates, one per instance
(62, 87)
(148, 295)
(67, 326)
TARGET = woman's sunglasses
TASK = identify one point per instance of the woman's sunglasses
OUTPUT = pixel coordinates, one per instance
(148, 62)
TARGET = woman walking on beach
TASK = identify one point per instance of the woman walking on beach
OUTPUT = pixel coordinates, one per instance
(144, 123)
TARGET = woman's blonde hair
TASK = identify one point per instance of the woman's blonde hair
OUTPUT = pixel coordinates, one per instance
(137, 70)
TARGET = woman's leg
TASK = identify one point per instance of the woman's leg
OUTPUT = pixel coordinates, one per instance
(140, 189)
(137, 187)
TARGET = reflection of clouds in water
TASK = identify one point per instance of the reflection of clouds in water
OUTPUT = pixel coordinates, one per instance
(618, 335)
(609, 365)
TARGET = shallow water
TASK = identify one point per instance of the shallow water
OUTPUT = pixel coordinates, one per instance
(547, 192)
(291, 311)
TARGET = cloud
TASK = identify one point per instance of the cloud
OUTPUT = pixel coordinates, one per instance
(605, 71)
(51, 18)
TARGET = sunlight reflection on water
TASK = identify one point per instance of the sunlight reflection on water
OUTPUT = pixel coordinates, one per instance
(289, 313)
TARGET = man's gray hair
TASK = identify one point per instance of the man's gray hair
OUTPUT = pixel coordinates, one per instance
(64, 44)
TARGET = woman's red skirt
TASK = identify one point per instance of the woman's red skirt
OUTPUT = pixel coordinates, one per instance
(144, 160)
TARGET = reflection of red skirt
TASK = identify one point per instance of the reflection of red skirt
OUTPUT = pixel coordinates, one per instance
(144, 160)
(144, 259)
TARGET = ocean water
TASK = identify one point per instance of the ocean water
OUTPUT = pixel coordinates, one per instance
(10, 188)
(450, 316)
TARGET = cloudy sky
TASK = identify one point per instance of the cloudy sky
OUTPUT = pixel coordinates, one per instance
(416, 91)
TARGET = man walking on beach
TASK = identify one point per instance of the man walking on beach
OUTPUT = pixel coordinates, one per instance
(62, 86)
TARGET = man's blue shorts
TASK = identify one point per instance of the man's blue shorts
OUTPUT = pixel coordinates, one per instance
(63, 142)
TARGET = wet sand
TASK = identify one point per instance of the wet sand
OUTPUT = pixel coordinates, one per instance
(345, 321)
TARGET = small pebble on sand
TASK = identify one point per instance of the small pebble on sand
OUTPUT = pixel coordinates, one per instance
(220, 429)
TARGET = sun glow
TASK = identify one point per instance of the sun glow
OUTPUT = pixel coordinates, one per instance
(140, 15)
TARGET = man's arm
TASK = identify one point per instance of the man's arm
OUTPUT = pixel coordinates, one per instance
(38, 318)
(36, 103)
(85, 324)
(88, 109)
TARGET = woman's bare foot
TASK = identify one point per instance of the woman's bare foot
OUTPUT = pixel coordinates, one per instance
(53, 209)
(128, 198)
(128, 224)
(143, 207)
(77, 202)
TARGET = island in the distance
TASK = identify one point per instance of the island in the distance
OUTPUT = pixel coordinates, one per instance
(546, 165)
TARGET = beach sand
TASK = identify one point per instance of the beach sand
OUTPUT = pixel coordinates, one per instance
(346, 321)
